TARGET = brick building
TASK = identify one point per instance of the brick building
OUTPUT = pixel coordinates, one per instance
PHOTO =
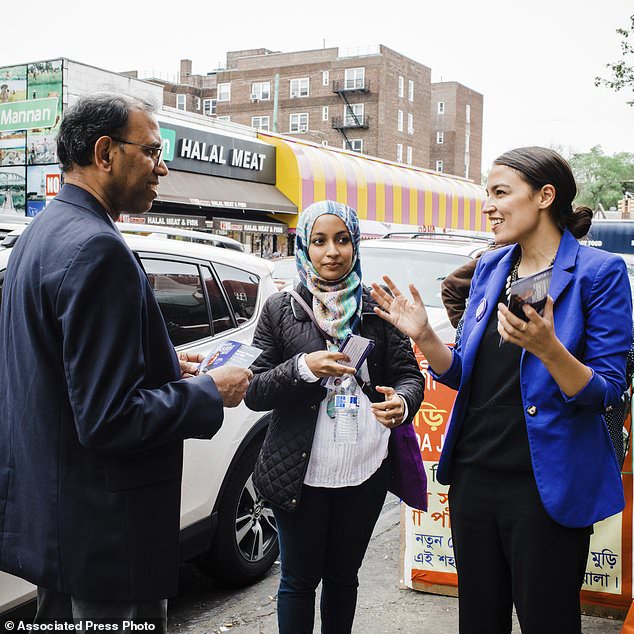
(378, 102)
(456, 130)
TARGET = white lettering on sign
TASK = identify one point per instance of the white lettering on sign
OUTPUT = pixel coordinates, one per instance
(53, 183)
(212, 153)
(24, 117)
(247, 159)
(200, 151)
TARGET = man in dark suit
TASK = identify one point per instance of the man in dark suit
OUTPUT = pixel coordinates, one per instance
(94, 406)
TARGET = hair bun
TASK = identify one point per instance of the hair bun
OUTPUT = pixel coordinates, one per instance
(580, 221)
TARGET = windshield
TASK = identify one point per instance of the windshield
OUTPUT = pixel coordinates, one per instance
(425, 269)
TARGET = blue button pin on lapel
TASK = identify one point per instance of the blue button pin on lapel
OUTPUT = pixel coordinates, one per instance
(482, 308)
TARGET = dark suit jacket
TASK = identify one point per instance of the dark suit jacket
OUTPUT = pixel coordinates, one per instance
(92, 413)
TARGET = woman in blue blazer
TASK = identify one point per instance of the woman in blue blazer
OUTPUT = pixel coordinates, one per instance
(527, 452)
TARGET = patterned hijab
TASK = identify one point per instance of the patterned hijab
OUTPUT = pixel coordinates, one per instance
(337, 305)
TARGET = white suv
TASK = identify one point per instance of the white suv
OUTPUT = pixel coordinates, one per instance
(207, 294)
(422, 259)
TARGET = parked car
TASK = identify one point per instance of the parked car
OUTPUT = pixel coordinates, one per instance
(423, 259)
(285, 272)
(176, 233)
(207, 294)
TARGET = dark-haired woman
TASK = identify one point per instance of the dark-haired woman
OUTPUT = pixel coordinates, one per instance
(327, 490)
(527, 453)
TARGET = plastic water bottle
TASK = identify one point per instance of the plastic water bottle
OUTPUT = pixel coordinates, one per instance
(347, 411)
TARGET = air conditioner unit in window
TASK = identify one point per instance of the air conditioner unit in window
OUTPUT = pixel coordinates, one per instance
(254, 96)
(294, 94)
(303, 128)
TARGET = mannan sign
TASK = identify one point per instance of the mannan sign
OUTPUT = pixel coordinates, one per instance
(26, 115)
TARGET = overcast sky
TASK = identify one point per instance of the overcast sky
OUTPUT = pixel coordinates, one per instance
(534, 62)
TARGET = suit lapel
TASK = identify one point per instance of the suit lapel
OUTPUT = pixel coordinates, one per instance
(564, 265)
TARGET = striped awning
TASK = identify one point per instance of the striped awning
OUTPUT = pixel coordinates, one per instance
(379, 190)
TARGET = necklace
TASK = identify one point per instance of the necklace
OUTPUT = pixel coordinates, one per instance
(514, 274)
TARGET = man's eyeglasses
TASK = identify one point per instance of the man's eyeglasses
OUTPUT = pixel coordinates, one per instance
(153, 151)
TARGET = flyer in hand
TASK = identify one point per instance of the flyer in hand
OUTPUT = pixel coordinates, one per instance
(229, 352)
(357, 348)
(532, 290)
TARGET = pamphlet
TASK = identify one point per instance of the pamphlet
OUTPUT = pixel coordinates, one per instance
(229, 352)
(357, 349)
(531, 290)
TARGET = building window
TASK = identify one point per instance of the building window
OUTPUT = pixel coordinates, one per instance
(261, 91)
(299, 87)
(225, 117)
(468, 114)
(399, 121)
(324, 113)
(325, 77)
(439, 166)
(224, 92)
(410, 90)
(354, 78)
(356, 145)
(441, 107)
(298, 122)
(209, 106)
(399, 152)
(181, 102)
(440, 137)
(261, 123)
(410, 123)
(401, 86)
(409, 155)
(353, 114)
(324, 143)
(197, 103)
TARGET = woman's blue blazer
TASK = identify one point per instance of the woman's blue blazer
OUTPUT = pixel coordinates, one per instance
(573, 459)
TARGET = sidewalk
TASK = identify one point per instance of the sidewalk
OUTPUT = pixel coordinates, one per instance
(383, 607)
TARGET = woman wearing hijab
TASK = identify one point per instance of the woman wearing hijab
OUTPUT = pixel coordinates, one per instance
(327, 494)
(527, 454)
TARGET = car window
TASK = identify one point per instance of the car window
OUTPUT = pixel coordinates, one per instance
(242, 290)
(179, 292)
(425, 269)
(220, 311)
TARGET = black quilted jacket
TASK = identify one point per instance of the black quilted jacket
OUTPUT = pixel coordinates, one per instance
(283, 333)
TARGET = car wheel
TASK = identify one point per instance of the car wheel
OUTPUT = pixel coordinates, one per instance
(245, 543)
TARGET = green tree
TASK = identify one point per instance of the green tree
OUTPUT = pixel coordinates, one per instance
(623, 70)
(602, 179)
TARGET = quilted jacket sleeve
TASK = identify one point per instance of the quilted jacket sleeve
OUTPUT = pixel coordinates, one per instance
(402, 371)
(276, 380)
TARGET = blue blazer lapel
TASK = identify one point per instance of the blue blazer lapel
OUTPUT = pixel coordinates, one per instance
(564, 264)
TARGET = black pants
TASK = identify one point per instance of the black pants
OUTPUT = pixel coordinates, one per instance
(508, 550)
(325, 540)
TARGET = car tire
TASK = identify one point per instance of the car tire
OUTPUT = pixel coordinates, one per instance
(244, 544)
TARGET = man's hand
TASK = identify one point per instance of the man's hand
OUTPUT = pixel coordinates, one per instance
(232, 383)
(189, 362)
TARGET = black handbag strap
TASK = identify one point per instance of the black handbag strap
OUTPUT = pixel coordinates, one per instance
(308, 310)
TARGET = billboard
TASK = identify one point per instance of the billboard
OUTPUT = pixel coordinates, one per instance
(30, 115)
